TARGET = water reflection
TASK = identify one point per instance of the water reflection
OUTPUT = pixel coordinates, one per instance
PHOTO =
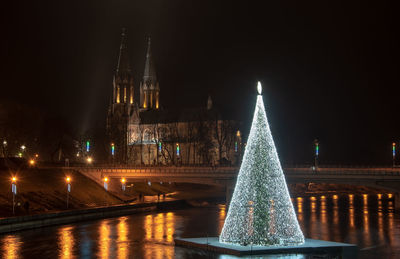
(351, 211)
(367, 233)
(300, 211)
(122, 242)
(11, 247)
(104, 240)
(367, 220)
(324, 219)
(159, 229)
(313, 224)
(380, 219)
(66, 242)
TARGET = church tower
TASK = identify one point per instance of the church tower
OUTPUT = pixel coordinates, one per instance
(149, 87)
(121, 105)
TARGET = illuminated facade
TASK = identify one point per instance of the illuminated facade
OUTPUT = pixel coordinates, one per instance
(142, 133)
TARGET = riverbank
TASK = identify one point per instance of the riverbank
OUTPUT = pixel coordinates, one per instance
(13, 224)
(43, 191)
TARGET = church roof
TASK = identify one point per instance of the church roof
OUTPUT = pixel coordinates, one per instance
(182, 115)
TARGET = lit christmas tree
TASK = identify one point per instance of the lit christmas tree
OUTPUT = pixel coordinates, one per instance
(261, 212)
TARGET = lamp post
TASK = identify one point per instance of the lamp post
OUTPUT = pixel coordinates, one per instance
(89, 160)
(123, 180)
(14, 190)
(112, 152)
(4, 148)
(316, 145)
(105, 183)
(68, 180)
(394, 153)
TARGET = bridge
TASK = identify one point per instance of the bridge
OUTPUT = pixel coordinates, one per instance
(381, 178)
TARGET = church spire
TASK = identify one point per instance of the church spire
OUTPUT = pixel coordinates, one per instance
(123, 66)
(149, 75)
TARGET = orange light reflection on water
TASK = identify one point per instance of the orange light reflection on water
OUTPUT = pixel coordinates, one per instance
(300, 211)
(313, 223)
(122, 242)
(11, 247)
(351, 211)
(159, 231)
(66, 242)
(380, 221)
(367, 233)
(104, 240)
(324, 220)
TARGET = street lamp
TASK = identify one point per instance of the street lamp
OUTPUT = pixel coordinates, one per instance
(105, 183)
(68, 180)
(112, 149)
(89, 160)
(316, 144)
(4, 147)
(123, 180)
(14, 190)
(394, 153)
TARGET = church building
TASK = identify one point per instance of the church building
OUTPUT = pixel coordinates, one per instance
(143, 133)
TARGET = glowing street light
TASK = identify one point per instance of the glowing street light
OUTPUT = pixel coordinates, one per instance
(14, 190)
(123, 181)
(5, 143)
(32, 162)
(316, 155)
(112, 149)
(68, 180)
(105, 183)
(89, 160)
(394, 153)
(23, 147)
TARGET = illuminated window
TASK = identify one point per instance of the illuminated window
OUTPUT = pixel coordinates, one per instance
(157, 100)
(238, 133)
(145, 100)
(118, 95)
(131, 96)
(236, 146)
(124, 94)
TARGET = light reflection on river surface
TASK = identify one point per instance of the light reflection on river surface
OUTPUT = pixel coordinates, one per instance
(366, 220)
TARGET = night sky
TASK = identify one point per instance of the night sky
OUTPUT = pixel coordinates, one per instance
(329, 70)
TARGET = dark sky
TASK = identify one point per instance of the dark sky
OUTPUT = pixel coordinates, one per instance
(329, 69)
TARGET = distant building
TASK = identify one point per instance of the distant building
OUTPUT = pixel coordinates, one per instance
(145, 134)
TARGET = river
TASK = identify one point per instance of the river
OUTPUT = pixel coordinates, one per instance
(366, 220)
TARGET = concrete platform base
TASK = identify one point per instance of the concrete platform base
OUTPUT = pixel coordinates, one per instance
(311, 246)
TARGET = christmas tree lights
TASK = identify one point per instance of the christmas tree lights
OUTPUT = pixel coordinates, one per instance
(261, 212)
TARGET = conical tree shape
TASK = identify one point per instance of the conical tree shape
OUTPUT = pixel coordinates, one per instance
(261, 212)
